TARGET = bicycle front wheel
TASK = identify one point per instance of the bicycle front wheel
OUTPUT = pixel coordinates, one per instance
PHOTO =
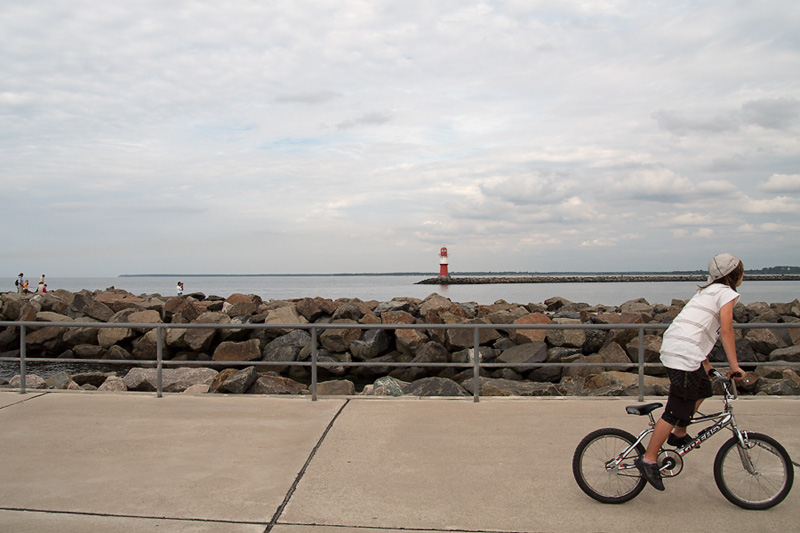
(764, 484)
(601, 472)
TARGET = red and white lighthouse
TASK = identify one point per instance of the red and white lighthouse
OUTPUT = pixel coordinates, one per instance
(443, 262)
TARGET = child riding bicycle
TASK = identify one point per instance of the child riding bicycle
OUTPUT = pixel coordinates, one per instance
(684, 353)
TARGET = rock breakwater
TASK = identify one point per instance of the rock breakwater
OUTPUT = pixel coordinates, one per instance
(202, 356)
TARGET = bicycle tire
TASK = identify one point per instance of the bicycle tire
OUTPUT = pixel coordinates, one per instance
(768, 487)
(589, 466)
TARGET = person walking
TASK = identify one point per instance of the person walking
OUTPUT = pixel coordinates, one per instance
(20, 283)
(686, 344)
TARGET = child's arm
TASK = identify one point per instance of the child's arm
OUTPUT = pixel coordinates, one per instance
(728, 338)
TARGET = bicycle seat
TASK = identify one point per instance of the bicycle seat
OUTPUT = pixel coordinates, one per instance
(643, 409)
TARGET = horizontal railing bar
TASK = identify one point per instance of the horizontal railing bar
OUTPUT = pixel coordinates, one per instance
(374, 364)
(167, 325)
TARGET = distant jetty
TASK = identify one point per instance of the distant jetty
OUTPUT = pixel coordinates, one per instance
(593, 278)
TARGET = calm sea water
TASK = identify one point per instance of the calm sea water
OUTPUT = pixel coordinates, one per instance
(384, 288)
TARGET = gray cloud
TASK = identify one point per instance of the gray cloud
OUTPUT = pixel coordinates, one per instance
(680, 124)
(368, 119)
(774, 113)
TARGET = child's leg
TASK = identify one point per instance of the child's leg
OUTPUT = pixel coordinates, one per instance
(680, 430)
(657, 439)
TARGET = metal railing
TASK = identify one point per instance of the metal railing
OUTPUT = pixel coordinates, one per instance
(315, 363)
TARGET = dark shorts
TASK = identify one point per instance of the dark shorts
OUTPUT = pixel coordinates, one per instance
(685, 388)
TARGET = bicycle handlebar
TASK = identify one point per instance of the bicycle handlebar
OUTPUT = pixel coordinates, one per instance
(716, 374)
(731, 393)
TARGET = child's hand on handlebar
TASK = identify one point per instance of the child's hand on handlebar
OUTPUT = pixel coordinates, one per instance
(736, 373)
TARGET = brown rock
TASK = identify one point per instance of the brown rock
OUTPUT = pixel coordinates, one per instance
(272, 384)
(464, 338)
(238, 351)
(220, 378)
(113, 384)
(313, 309)
(530, 335)
(338, 340)
(764, 341)
(339, 387)
(568, 338)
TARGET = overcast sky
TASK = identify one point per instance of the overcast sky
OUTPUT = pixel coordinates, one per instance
(361, 136)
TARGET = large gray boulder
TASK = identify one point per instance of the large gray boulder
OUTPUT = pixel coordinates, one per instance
(98, 311)
(569, 338)
(75, 336)
(172, 379)
(32, 381)
(458, 339)
(240, 382)
(652, 349)
(434, 386)
(764, 341)
(790, 354)
(238, 351)
(201, 339)
(338, 340)
(507, 387)
(374, 343)
(274, 384)
(338, 387)
(530, 352)
(388, 386)
(432, 352)
(113, 384)
(312, 309)
(286, 347)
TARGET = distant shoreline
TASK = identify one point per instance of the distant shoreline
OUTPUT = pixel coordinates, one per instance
(594, 278)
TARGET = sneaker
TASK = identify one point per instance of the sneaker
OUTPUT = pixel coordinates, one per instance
(650, 473)
(677, 442)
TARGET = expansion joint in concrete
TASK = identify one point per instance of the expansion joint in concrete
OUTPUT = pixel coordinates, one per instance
(302, 472)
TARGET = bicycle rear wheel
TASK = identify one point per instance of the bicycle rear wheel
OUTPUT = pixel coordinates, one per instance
(598, 473)
(770, 481)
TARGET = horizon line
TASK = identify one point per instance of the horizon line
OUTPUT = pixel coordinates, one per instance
(434, 274)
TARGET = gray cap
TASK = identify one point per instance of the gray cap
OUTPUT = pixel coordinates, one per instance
(721, 265)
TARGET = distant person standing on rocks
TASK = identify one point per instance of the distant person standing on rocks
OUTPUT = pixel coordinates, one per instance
(20, 283)
(180, 288)
(41, 279)
(684, 353)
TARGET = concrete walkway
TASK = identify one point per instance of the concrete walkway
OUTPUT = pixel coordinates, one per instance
(132, 462)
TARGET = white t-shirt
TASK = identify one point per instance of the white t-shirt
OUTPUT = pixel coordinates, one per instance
(694, 332)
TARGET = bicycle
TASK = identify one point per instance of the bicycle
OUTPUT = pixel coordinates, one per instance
(751, 470)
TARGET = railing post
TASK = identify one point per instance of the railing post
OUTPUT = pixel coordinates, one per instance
(313, 364)
(641, 363)
(476, 367)
(22, 354)
(159, 359)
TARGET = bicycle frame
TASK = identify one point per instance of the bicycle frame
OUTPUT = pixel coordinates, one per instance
(721, 420)
(751, 470)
